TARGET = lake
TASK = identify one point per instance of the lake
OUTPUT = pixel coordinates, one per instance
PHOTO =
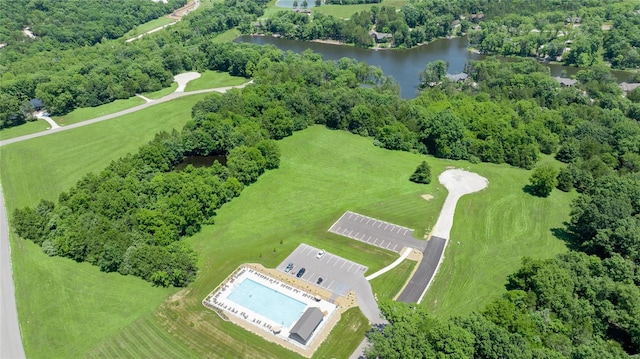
(403, 65)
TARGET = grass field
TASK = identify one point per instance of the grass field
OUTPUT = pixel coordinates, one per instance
(495, 228)
(210, 79)
(87, 113)
(227, 36)
(66, 308)
(388, 285)
(24, 129)
(322, 174)
(161, 93)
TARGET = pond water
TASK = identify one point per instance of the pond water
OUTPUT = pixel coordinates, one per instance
(404, 65)
(200, 161)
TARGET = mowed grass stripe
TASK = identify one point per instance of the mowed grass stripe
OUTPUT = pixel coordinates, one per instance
(143, 339)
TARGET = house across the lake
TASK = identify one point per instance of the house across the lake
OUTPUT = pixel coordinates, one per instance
(37, 104)
(380, 36)
(564, 81)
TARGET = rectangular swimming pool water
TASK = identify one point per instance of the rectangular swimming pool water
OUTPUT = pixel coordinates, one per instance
(267, 302)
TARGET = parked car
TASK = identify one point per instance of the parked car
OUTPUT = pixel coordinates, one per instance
(288, 268)
(319, 281)
(320, 254)
(300, 272)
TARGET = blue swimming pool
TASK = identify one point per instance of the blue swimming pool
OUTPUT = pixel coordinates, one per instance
(267, 302)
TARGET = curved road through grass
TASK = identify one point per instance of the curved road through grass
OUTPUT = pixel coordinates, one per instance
(10, 338)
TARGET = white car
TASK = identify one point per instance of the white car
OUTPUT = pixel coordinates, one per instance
(320, 254)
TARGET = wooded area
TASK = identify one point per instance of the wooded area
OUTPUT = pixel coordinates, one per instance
(131, 216)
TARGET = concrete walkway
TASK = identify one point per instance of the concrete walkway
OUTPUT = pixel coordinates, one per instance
(51, 122)
(146, 99)
(458, 182)
(151, 31)
(384, 270)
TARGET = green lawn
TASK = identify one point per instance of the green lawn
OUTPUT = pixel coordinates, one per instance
(388, 285)
(24, 129)
(87, 113)
(227, 36)
(147, 26)
(67, 308)
(162, 92)
(211, 79)
(495, 228)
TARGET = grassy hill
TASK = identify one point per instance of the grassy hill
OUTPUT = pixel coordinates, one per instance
(322, 174)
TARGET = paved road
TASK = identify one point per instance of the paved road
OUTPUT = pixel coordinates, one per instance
(417, 286)
(10, 340)
(167, 98)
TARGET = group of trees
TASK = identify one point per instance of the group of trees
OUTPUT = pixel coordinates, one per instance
(543, 28)
(71, 76)
(130, 217)
(76, 23)
(581, 37)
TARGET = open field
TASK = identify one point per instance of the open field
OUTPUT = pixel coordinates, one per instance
(87, 113)
(322, 174)
(388, 285)
(227, 36)
(24, 129)
(67, 308)
(495, 228)
(210, 79)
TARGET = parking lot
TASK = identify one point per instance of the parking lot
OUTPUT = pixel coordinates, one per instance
(339, 276)
(336, 272)
(375, 232)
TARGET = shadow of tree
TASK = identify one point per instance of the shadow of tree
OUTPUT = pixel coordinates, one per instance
(566, 235)
(529, 189)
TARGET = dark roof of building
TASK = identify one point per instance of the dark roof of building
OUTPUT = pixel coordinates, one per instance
(36, 102)
(380, 35)
(566, 81)
(626, 87)
(306, 324)
(457, 77)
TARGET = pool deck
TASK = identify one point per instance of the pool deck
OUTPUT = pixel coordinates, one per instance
(302, 291)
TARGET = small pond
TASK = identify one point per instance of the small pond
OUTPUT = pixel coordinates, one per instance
(201, 161)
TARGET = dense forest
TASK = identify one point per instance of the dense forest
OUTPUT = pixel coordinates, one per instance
(75, 23)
